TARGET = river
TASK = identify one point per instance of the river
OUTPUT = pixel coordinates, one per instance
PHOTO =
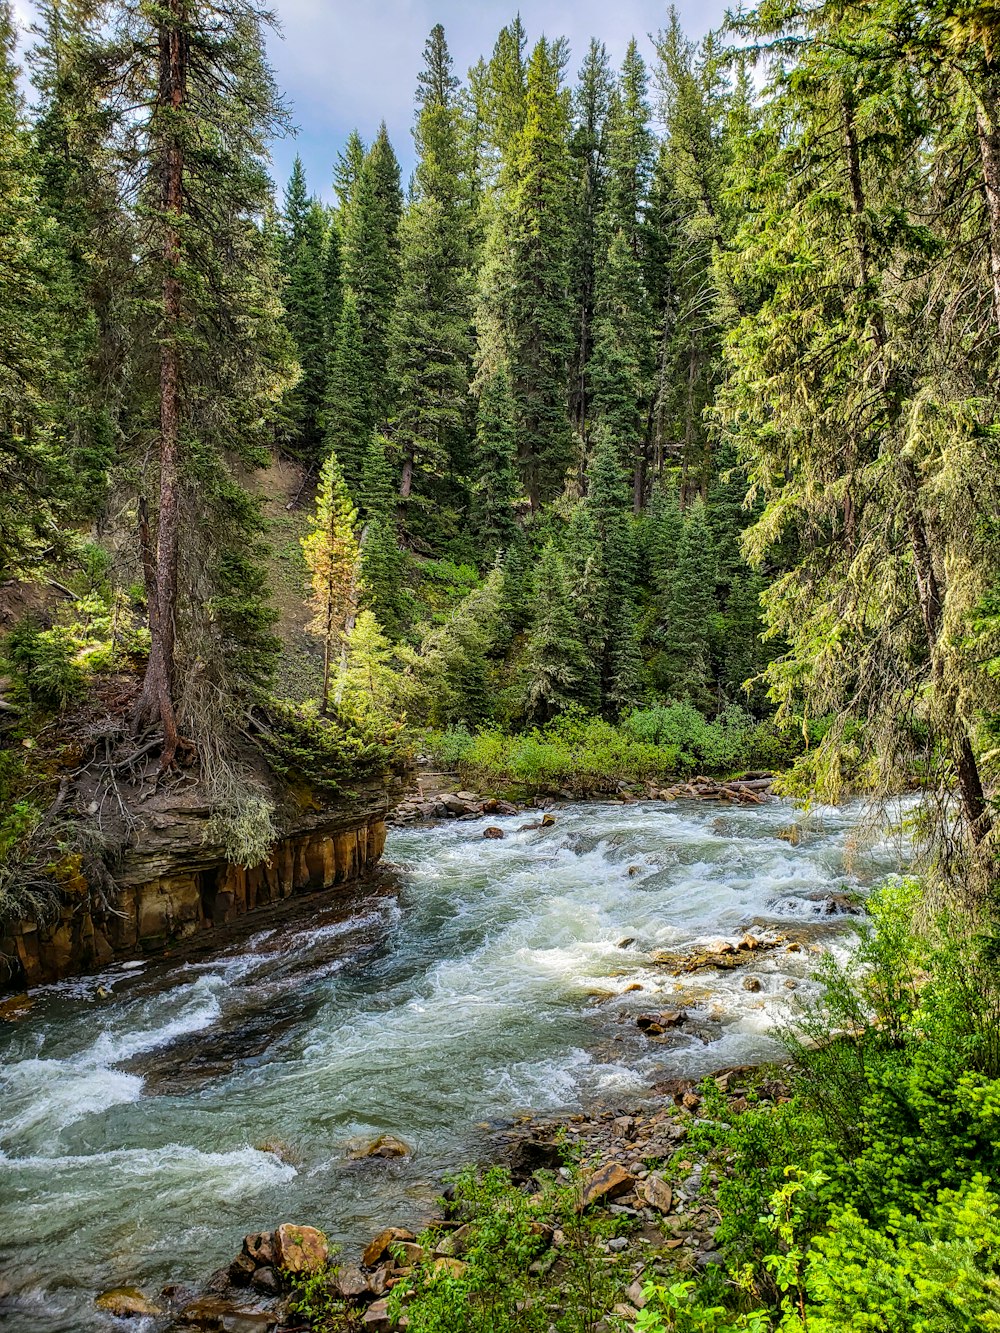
(151, 1116)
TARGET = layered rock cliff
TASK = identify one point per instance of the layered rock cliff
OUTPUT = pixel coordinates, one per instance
(173, 882)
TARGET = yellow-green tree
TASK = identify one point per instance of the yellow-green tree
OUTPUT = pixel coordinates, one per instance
(333, 554)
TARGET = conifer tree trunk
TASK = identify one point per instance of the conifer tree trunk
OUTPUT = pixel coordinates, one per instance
(988, 129)
(157, 702)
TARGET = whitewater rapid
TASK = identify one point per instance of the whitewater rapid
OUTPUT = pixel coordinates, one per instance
(151, 1116)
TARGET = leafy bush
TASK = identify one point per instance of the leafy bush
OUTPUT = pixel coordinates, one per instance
(44, 663)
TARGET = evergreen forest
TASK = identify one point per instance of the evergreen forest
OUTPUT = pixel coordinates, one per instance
(651, 429)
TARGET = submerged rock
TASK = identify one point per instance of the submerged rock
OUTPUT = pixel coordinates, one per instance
(126, 1303)
(218, 1316)
(386, 1145)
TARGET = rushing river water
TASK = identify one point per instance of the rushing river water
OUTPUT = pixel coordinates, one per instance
(151, 1116)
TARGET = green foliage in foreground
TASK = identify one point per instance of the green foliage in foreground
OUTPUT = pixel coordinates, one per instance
(867, 1202)
(589, 754)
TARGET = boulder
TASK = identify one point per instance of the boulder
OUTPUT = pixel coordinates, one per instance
(300, 1249)
(386, 1145)
(379, 1247)
(216, 1316)
(126, 1303)
(266, 1281)
(658, 1194)
(493, 832)
(454, 1245)
(259, 1246)
(376, 1318)
(656, 1024)
(751, 984)
(608, 1182)
(241, 1270)
(448, 1267)
(352, 1284)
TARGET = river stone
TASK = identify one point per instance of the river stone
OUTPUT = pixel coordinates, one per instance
(379, 1247)
(300, 1249)
(386, 1145)
(126, 1303)
(493, 832)
(215, 1316)
(608, 1182)
(751, 984)
(351, 1283)
(259, 1246)
(241, 1270)
(266, 1281)
(376, 1318)
(448, 1267)
(658, 1194)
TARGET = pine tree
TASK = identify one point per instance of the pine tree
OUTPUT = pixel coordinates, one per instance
(506, 89)
(332, 553)
(495, 488)
(305, 305)
(348, 411)
(588, 147)
(609, 504)
(92, 236)
(29, 337)
(556, 666)
(333, 283)
(196, 74)
(535, 237)
(371, 261)
(371, 684)
(346, 177)
(382, 561)
(689, 631)
(431, 342)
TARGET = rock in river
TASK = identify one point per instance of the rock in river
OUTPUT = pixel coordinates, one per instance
(300, 1249)
(126, 1303)
(386, 1145)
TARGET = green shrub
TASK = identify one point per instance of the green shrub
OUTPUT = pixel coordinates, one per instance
(44, 664)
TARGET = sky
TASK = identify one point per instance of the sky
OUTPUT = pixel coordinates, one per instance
(346, 64)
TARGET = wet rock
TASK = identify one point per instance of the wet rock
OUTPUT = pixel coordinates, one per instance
(300, 1249)
(386, 1145)
(627, 942)
(215, 1316)
(751, 984)
(455, 805)
(17, 1007)
(259, 1246)
(378, 1249)
(531, 1155)
(656, 1024)
(658, 1194)
(126, 1303)
(610, 1181)
(241, 1270)
(791, 983)
(411, 1252)
(494, 833)
(266, 1281)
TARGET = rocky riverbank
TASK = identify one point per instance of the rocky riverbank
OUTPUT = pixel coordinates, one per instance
(640, 1182)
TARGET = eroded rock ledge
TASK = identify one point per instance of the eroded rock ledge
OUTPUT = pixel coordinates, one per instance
(175, 883)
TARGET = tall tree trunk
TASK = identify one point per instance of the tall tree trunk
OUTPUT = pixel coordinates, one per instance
(157, 702)
(988, 129)
(929, 593)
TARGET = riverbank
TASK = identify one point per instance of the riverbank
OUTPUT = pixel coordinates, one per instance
(626, 1191)
(152, 1116)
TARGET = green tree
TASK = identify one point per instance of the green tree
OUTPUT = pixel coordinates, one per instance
(496, 488)
(348, 411)
(213, 359)
(370, 236)
(431, 336)
(685, 667)
(306, 226)
(609, 504)
(556, 664)
(533, 239)
(382, 560)
(29, 335)
(333, 555)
